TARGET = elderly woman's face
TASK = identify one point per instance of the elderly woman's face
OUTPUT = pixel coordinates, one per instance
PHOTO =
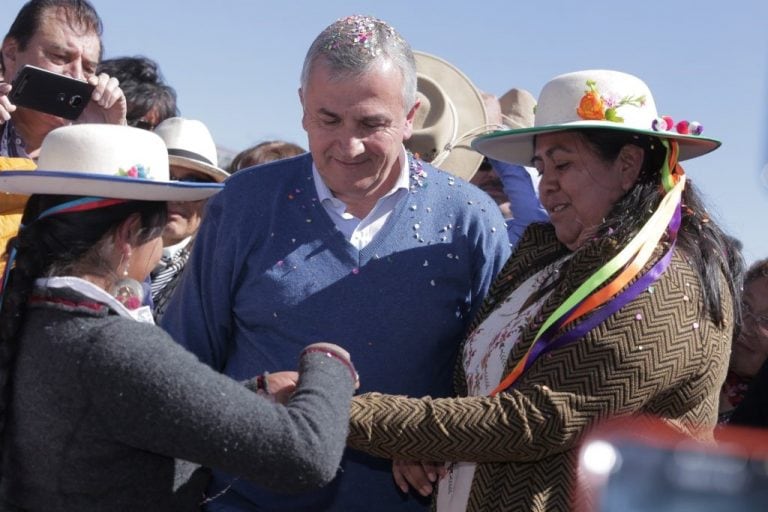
(577, 187)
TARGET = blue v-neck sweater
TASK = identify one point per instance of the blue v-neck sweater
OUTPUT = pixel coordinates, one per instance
(270, 273)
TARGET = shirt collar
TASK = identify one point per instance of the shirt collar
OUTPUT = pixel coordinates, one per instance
(172, 251)
(11, 143)
(142, 314)
(403, 181)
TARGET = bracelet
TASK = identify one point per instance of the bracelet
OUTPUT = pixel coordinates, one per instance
(334, 355)
(262, 384)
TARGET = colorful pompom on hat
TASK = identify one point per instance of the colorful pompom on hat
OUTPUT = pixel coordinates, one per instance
(594, 99)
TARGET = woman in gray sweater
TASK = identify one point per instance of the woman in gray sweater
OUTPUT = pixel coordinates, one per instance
(96, 403)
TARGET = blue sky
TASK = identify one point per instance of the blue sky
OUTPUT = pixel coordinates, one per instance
(235, 65)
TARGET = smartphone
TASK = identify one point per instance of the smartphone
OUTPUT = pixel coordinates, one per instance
(49, 92)
(661, 471)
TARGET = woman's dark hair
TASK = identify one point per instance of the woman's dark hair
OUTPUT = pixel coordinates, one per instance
(757, 270)
(709, 250)
(144, 88)
(80, 13)
(263, 152)
(62, 244)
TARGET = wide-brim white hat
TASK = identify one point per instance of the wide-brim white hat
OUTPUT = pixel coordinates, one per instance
(104, 160)
(587, 100)
(452, 111)
(191, 146)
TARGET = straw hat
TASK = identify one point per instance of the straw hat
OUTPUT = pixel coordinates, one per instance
(191, 146)
(594, 99)
(451, 113)
(104, 160)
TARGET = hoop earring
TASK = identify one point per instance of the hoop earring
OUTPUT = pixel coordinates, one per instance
(127, 290)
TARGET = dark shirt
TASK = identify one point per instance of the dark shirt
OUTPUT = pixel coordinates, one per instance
(753, 410)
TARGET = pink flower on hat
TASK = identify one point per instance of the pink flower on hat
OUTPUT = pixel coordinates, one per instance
(135, 171)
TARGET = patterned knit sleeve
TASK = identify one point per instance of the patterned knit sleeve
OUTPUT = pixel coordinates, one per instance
(657, 355)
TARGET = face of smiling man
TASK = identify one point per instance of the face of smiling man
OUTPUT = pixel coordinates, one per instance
(355, 127)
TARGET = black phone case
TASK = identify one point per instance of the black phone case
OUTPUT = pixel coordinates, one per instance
(49, 92)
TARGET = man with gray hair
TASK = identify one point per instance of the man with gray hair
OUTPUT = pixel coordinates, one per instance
(356, 242)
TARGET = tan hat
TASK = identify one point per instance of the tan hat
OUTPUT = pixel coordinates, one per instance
(594, 99)
(518, 108)
(451, 114)
(191, 146)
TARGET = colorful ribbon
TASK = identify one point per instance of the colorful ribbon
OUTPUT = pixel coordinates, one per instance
(632, 259)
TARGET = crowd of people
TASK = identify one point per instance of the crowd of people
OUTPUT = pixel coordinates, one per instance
(508, 274)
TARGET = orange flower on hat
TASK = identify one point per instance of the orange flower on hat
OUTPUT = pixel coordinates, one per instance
(591, 106)
(595, 107)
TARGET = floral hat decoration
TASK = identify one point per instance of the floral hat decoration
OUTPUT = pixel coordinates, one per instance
(104, 161)
(595, 99)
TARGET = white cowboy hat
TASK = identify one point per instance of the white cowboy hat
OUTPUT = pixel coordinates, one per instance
(451, 113)
(104, 160)
(191, 146)
(594, 99)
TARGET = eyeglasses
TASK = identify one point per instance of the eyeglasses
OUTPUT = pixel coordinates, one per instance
(758, 321)
(193, 178)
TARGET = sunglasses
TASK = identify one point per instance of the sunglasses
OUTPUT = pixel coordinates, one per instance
(140, 123)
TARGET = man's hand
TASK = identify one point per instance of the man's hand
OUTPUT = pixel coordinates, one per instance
(422, 476)
(281, 385)
(6, 107)
(108, 104)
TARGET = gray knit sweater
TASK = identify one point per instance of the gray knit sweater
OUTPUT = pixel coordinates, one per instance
(102, 405)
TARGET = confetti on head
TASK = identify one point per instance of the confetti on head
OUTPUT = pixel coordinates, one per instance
(349, 47)
(364, 34)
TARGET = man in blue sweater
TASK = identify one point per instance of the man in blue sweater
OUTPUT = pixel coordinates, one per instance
(356, 242)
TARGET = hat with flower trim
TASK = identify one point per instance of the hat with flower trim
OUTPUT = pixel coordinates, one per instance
(106, 161)
(594, 99)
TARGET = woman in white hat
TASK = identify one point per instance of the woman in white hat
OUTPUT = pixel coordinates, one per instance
(192, 158)
(622, 306)
(95, 401)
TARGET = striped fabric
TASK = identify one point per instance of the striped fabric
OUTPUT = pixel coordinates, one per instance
(660, 355)
(165, 277)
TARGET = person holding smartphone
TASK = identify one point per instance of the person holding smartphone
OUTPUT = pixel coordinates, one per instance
(63, 36)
